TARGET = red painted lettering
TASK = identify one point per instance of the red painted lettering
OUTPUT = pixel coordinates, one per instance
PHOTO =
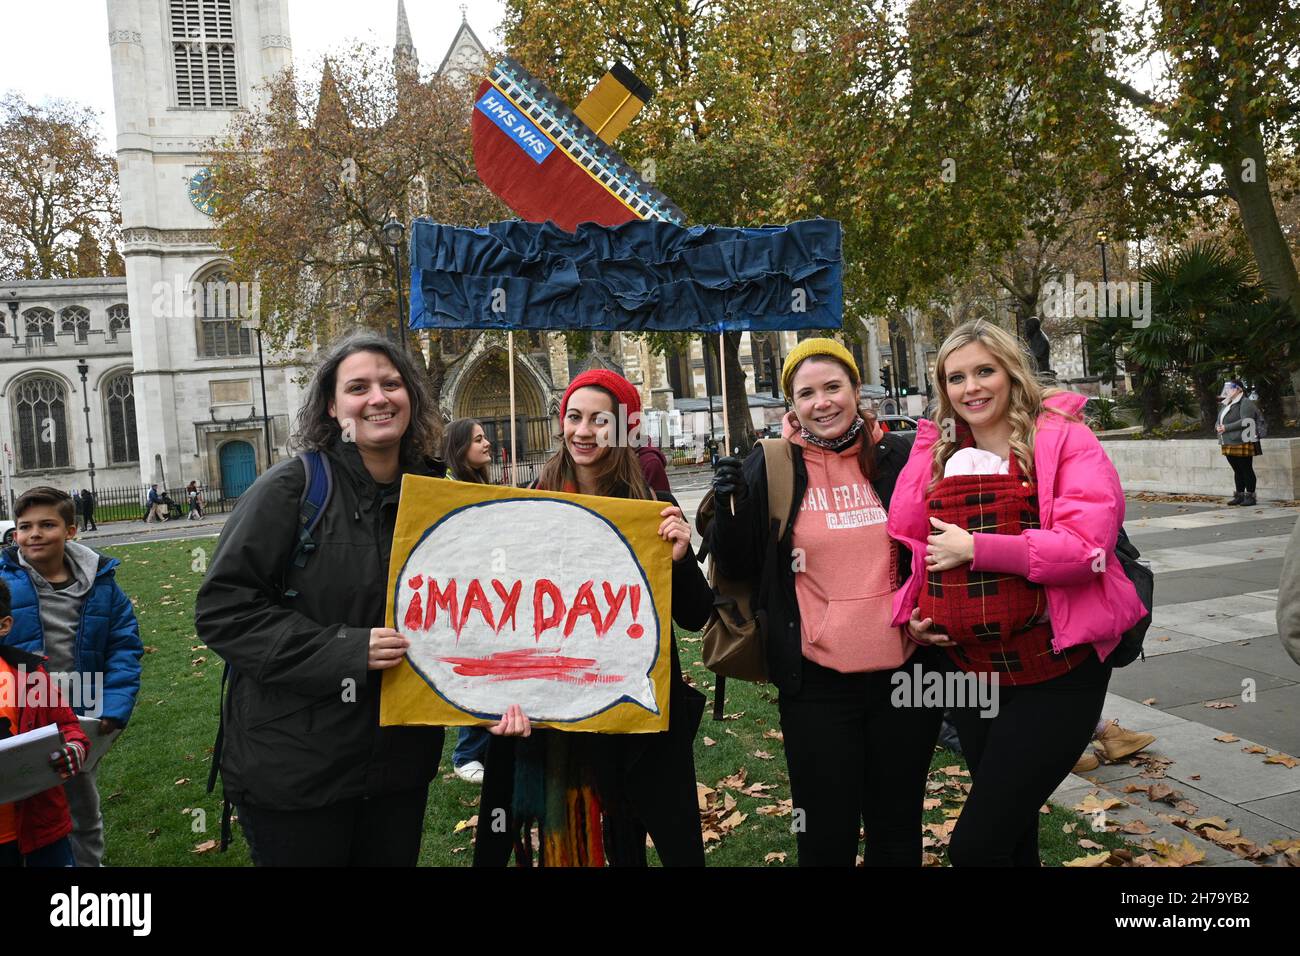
(475, 598)
(541, 622)
(445, 600)
(511, 600)
(615, 602)
(584, 602)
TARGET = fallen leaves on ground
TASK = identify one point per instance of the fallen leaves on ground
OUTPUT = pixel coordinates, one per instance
(1093, 804)
(1150, 701)
(709, 741)
(782, 808)
(1136, 828)
(775, 857)
(1092, 859)
(1227, 738)
(1219, 704)
(1254, 749)
(204, 847)
(1185, 854)
(942, 832)
(1163, 793)
(1285, 760)
(762, 755)
(469, 824)
(774, 735)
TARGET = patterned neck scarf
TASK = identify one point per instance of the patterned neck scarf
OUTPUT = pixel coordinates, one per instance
(834, 444)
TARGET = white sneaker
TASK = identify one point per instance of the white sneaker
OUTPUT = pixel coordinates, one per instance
(471, 772)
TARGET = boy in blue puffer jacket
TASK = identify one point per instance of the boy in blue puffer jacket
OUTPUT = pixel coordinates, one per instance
(66, 606)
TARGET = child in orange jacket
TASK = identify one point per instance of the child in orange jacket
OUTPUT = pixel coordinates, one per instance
(34, 831)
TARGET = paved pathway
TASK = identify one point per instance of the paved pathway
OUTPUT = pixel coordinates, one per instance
(1213, 640)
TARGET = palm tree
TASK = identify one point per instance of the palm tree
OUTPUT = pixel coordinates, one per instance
(1210, 318)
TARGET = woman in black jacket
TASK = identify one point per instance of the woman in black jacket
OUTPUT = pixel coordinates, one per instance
(315, 779)
(618, 787)
(1240, 431)
(857, 739)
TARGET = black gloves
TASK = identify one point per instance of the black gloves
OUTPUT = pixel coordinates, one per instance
(728, 481)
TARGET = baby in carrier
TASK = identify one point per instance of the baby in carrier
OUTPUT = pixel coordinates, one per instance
(999, 621)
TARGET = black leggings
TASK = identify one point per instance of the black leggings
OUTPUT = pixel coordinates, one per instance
(1018, 758)
(1243, 473)
(857, 761)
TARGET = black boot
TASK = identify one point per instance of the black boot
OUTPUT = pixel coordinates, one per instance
(1236, 499)
(1248, 499)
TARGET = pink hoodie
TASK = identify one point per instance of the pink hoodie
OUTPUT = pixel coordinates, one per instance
(1080, 509)
(845, 587)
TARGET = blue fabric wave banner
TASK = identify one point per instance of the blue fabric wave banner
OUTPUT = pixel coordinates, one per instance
(639, 276)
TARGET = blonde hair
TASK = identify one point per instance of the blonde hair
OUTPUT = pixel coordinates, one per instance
(1026, 400)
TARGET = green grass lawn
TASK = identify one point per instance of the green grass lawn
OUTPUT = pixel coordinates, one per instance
(157, 813)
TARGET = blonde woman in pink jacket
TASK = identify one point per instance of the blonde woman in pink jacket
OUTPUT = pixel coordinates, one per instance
(999, 436)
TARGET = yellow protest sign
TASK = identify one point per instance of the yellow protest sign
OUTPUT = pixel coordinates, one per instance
(560, 603)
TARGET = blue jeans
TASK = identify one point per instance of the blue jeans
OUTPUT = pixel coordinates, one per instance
(471, 744)
(56, 854)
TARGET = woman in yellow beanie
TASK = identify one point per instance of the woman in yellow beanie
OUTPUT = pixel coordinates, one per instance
(827, 586)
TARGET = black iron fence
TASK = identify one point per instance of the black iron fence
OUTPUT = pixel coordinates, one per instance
(128, 502)
(521, 473)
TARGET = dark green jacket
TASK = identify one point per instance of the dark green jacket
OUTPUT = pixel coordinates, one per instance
(302, 717)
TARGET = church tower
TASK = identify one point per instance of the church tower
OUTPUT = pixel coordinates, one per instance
(182, 69)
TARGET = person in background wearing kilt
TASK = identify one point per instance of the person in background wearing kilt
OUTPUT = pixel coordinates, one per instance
(1239, 433)
(1024, 575)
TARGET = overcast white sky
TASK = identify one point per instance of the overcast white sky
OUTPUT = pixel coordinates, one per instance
(59, 48)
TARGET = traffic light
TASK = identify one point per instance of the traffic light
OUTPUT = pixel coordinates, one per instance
(885, 379)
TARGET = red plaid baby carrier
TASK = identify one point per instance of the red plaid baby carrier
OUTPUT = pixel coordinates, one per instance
(996, 619)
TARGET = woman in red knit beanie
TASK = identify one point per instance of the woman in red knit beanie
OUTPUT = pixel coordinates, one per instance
(617, 788)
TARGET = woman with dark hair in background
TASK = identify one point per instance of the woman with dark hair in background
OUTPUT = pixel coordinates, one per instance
(316, 780)
(468, 455)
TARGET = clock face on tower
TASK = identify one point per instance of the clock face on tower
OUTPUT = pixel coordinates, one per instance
(201, 192)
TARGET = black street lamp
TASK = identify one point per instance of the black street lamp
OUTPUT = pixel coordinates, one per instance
(83, 369)
(394, 232)
(1105, 299)
(13, 317)
(255, 323)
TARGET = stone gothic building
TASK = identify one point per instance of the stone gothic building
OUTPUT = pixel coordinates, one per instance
(155, 384)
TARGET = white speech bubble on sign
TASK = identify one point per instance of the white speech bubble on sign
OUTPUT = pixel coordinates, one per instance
(567, 630)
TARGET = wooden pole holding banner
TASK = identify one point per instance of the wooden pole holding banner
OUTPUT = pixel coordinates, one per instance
(720, 685)
(514, 458)
(722, 366)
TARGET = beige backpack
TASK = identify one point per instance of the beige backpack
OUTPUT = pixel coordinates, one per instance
(735, 643)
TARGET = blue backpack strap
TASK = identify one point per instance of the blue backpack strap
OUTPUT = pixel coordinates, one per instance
(311, 506)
